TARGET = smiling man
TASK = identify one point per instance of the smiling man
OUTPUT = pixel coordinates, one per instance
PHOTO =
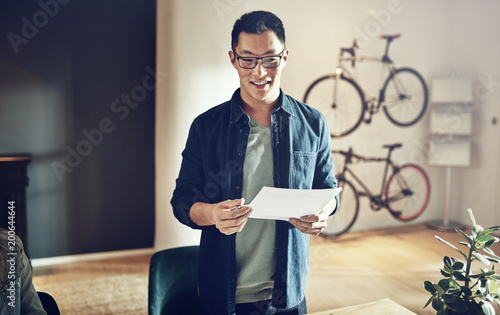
(261, 137)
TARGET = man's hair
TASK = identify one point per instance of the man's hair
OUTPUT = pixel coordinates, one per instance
(257, 22)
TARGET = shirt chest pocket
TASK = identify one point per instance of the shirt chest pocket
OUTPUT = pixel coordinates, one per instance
(302, 167)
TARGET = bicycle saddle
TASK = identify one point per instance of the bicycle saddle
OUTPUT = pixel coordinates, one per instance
(390, 37)
(392, 146)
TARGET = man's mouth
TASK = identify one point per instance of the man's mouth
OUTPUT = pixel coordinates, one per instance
(260, 83)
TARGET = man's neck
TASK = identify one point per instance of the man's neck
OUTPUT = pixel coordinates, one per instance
(260, 110)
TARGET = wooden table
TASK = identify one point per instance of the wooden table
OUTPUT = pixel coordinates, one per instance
(382, 307)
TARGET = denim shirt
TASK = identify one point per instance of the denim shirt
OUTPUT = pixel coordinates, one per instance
(17, 293)
(212, 171)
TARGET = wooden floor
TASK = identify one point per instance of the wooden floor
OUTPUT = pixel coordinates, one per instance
(369, 266)
(356, 268)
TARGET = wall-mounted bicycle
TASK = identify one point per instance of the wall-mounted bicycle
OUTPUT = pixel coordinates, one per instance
(403, 96)
(405, 193)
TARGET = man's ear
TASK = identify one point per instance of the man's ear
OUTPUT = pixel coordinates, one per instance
(285, 55)
(232, 58)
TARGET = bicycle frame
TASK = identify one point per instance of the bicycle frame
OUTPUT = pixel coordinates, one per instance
(376, 200)
(341, 71)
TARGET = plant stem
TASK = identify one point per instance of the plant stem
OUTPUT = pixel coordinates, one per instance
(467, 269)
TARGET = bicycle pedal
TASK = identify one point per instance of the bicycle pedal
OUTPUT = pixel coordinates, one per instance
(369, 120)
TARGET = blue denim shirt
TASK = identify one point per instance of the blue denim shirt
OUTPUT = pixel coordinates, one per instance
(212, 171)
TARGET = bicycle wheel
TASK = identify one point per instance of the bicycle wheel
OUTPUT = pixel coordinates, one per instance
(347, 212)
(405, 97)
(344, 116)
(407, 192)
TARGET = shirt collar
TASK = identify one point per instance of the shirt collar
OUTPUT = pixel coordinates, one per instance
(236, 111)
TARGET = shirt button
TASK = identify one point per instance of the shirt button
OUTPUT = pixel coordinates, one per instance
(237, 187)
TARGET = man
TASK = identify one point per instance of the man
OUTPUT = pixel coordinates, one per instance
(261, 137)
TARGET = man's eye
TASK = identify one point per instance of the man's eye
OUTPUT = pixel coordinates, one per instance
(271, 59)
(249, 60)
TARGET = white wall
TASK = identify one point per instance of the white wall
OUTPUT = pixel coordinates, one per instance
(194, 38)
(475, 52)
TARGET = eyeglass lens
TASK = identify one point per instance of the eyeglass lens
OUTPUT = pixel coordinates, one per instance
(251, 62)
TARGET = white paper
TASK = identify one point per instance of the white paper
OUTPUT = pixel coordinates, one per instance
(282, 204)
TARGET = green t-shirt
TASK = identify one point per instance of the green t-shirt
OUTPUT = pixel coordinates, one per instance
(255, 244)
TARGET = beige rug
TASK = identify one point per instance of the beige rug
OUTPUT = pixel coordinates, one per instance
(115, 294)
(108, 286)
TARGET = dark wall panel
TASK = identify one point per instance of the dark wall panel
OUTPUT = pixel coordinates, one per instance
(77, 91)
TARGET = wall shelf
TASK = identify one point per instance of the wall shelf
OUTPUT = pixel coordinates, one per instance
(452, 103)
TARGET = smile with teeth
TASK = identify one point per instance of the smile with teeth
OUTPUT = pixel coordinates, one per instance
(261, 82)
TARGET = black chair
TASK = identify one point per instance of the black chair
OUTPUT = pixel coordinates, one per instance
(48, 303)
(173, 282)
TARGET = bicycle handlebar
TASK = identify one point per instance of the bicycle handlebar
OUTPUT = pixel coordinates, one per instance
(350, 50)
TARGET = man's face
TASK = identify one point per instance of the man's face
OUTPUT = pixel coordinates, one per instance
(259, 84)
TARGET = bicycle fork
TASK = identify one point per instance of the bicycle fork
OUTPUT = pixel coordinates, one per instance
(338, 73)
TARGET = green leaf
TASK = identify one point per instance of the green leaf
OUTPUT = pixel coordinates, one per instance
(437, 304)
(464, 235)
(481, 258)
(460, 276)
(486, 238)
(465, 244)
(493, 286)
(473, 231)
(489, 244)
(471, 215)
(457, 265)
(490, 251)
(444, 284)
(487, 273)
(487, 308)
(451, 245)
(490, 229)
(445, 273)
(429, 286)
(483, 282)
(429, 301)
(449, 299)
(447, 261)
(495, 260)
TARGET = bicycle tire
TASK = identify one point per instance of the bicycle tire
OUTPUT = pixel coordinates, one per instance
(405, 97)
(347, 211)
(345, 117)
(407, 192)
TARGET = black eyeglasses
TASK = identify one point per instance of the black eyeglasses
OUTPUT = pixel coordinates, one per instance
(267, 62)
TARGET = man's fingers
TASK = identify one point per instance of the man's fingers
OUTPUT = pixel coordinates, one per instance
(229, 214)
(312, 228)
(233, 221)
(321, 216)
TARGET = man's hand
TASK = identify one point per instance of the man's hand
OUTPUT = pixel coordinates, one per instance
(311, 224)
(230, 221)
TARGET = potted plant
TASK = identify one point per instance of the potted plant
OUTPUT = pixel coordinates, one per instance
(461, 291)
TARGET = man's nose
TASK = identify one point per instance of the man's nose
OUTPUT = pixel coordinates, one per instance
(259, 68)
